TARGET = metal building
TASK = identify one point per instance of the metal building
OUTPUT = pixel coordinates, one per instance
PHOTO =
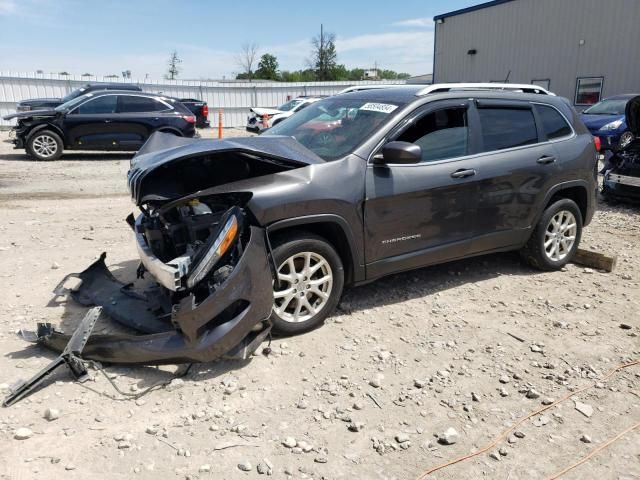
(584, 50)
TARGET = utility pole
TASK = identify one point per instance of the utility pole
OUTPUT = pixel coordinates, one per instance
(321, 52)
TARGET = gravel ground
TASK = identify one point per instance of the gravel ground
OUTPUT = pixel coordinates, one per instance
(406, 365)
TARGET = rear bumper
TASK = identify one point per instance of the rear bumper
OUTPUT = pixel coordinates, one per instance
(622, 186)
(231, 321)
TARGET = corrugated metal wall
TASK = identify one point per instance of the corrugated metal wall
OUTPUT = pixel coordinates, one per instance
(234, 98)
(541, 39)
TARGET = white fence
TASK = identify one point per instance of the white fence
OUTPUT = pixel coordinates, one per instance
(235, 98)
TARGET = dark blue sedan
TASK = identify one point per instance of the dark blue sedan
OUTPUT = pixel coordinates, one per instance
(606, 120)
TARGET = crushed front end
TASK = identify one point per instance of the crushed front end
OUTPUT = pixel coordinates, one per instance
(205, 257)
(622, 176)
(211, 294)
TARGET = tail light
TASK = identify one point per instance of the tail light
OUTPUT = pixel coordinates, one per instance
(189, 118)
(205, 110)
(598, 143)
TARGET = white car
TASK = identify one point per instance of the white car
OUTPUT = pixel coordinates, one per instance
(256, 122)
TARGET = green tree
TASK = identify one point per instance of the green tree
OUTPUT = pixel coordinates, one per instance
(174, 66)
(267, 67)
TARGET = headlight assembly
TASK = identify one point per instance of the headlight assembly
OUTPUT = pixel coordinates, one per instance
(215, 251)
(612, 125)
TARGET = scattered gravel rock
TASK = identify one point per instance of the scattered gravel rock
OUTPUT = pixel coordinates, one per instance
(289, 442)
(584, 408)
(356, 426)
(449, 436)
(245, 466)
(51, 414)
(402, 437)
(585, 438)
(22, 433)
(532, 394)
(504, 379)
(204, 468)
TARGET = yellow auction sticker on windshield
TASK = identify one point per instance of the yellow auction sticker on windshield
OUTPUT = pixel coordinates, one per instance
(379, 107)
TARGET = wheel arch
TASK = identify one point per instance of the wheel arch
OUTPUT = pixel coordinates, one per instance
(45, 126)
(335, 230)
(577, 190)
(173, 130)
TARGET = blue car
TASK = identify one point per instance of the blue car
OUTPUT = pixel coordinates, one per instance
(606, 120)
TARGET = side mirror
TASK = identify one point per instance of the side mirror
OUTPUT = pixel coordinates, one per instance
(400, 153)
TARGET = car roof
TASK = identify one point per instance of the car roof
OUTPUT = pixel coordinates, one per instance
(624, 96)
(98, 93)
(112, 86)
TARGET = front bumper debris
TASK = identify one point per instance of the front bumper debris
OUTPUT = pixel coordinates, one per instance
(183, 332)
(231, 322)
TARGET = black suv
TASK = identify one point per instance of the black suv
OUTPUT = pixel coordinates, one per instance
(248, 234)
(39, 103)
(110, 120)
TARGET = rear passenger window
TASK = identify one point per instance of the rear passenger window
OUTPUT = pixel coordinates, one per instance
(135, 104)
(553, 124)
(507, 128)
(441, 134)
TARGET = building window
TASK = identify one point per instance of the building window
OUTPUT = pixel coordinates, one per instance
(544, 83)
(588, 90)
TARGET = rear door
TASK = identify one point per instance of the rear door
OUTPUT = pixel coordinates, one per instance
(514, 168)
(138, 117)
(422, 213)
(90, 125)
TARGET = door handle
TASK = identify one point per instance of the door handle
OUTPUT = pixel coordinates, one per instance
(107, 121)
(463, 173)
(546, 159)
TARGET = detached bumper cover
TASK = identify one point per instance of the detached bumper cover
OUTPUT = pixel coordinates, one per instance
(224, 323)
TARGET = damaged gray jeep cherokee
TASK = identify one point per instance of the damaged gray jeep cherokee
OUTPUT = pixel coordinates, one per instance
(246, 235)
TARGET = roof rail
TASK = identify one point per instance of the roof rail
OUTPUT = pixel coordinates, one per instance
(456, 87)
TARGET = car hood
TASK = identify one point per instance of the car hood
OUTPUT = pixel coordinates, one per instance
(596, 122)
(266, 111)
(632, 113)
(166, 150)
(40, 101)
(43, 112)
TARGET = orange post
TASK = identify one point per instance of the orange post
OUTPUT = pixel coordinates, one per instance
(265, 121)
(220, 123)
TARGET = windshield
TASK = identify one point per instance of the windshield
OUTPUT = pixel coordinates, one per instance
(72, 103)
(334, 127)
(74, 94)
(290, 105)
(607, 107)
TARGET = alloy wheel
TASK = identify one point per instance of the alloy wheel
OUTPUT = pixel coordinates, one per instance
(625, 139)
(560, 235)
(305, 283)
(45, 146)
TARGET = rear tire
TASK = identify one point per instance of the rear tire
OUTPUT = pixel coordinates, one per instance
(45, 145)
(556, 237)
(311, 281)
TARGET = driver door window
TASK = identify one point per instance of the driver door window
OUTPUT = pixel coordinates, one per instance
(441, 134)
(98, 106)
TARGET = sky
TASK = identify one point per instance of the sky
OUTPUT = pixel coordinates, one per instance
(109, 36)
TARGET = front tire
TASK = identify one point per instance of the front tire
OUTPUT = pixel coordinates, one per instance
(556, 237)
(45, 145)
(311, 279)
